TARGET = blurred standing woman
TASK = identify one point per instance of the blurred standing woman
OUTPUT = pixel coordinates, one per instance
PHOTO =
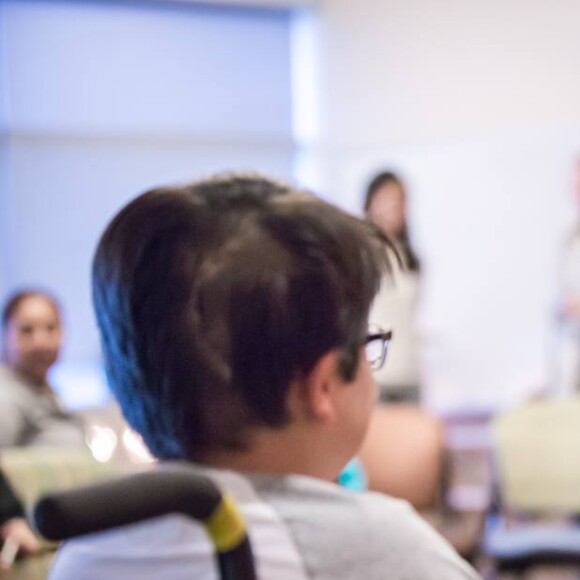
(404, 449)
(568, 357)
(396, 304)
(30, 411)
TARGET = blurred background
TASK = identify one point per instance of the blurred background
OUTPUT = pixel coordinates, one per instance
(476, 104)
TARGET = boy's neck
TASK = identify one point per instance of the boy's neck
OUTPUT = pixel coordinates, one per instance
(279, 451)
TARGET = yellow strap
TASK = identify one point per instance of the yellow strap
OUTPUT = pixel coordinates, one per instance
(225, 526)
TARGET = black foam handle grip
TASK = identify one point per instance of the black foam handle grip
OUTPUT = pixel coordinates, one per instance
(135, 498)
(173, 489)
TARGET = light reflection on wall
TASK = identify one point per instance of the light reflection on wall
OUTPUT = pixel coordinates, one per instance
(80, 385)
(175, 92)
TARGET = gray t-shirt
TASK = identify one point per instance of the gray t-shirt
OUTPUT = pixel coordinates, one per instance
(300, 528)
(33, 416)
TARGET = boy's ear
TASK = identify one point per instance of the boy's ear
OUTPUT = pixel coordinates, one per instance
(314, 394)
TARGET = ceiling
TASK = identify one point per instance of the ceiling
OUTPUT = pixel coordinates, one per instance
(263, 3)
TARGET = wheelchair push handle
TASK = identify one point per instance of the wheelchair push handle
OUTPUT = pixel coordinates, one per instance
(136, 498)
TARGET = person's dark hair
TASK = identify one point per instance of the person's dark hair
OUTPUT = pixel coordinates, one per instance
(11, 305)
(410, 259)
(212, 297)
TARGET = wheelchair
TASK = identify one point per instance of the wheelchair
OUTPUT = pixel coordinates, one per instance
(135, 498)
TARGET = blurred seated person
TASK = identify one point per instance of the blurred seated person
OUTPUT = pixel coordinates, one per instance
(396, 303)
(403, 454)
(30, 411)
(253, 365)
(13, 525)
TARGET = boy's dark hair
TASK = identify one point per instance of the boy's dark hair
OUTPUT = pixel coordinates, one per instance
(212, 297)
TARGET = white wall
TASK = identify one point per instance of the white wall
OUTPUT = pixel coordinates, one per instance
(102, 100)
(477, 104)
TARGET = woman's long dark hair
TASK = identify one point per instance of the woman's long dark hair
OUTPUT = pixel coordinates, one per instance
(386, 177)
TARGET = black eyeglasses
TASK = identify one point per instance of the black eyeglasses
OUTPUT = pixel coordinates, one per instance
(376, 346)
